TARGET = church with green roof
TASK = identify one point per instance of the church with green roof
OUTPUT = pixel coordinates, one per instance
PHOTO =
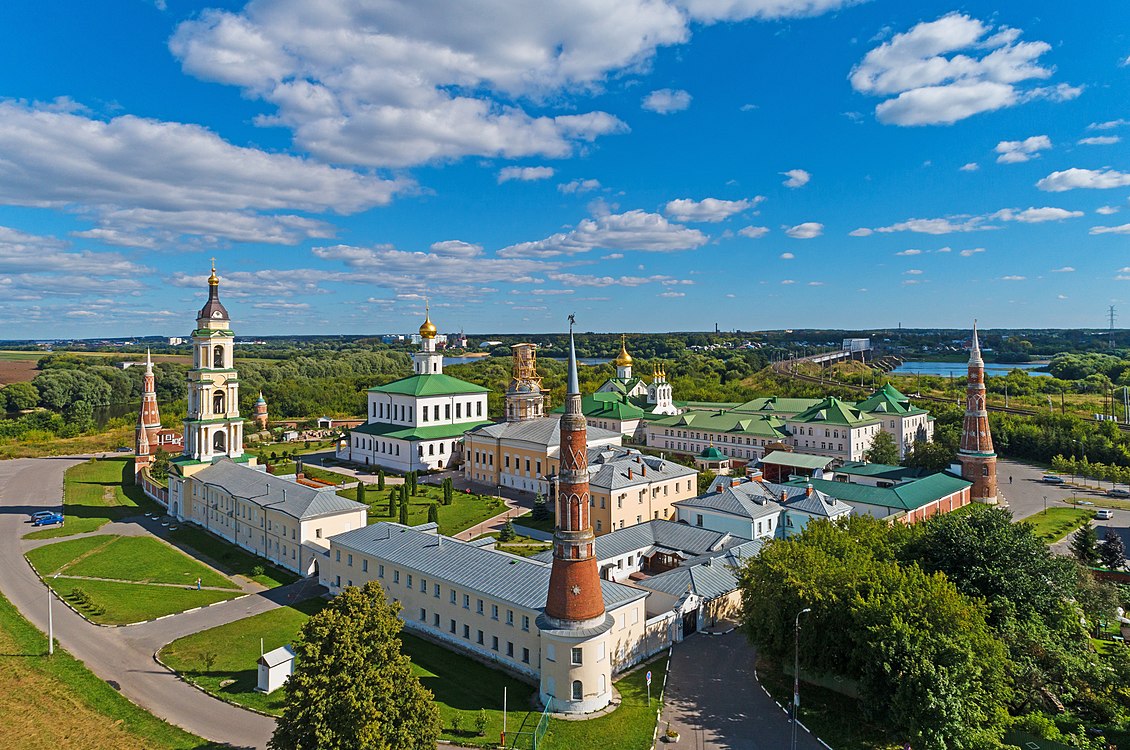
(417, 423)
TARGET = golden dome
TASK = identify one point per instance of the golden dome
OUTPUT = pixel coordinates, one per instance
(213, 280)
(623, 359)
(428, 329)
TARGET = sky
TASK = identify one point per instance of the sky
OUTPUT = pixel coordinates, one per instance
(649, 165)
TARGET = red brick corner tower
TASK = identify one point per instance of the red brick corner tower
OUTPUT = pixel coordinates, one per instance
(575, 598)
(149, 420)
(977, 457)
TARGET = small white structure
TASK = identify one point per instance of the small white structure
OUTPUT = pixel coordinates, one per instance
(274, 667)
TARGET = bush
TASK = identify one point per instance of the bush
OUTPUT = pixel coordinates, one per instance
(481, 722)
(257, 571)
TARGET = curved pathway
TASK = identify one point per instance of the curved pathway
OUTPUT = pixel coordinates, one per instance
(124, 656)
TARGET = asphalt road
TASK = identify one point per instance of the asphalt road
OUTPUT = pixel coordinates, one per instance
(122, 656)
(714, 701)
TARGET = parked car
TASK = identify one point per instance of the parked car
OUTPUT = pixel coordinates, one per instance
(1052, 479)
(1118, 493)
(49, 520)
(1104, 514)
(123, 449)
(41, 513)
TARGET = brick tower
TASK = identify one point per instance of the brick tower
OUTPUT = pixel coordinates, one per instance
(978, 460)
(260, 417)
(576, 675)
(149, 420)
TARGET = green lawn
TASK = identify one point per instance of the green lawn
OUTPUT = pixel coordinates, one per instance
(465, 511)
(141, 559)
(230, 558)
(55, 702)
(113, 603)
(527, 520)
(1056, 523)
(95, 493)
(519, 545)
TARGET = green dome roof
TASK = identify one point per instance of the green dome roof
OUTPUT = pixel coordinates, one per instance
(712, 454)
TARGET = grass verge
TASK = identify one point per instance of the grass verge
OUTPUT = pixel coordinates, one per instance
(230, 558)
(139, 559)
(527, 520)
(465, 511)
(114, 603)
(97, 492)
(56, 703)
(1056, 523)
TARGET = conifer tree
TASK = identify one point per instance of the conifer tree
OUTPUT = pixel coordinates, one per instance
(360, 491)
(1112, 550)
(404, 505)
(352, 687)
(433, 513)
(380, 479)
(1084, 545)
(507, 533)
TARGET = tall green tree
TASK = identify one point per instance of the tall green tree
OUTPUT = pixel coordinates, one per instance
(1112, 550)
(448, 491)
(433, 513)
(933, 456)
(883, 450)
(403, 504)
(380, 479)
(352, 688)
(1084, 545)
(360, 491)
(19, 396)
(541, 508)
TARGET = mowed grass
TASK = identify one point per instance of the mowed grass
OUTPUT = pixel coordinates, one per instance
(95, 493)
(114, 603)
(465, 511)
(140, 559)
(55, 703)
(629, 727)
(235, 649)
(1056, 523)
(230, 558)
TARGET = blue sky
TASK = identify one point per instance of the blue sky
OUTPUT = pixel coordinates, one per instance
(648, 164)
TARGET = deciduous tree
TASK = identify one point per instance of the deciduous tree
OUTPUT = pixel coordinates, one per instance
(883, 450)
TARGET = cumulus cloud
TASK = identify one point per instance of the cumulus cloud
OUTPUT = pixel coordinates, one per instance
(1035, 215)
(946, 70)
(1065, 269)
(666, 101)
(1069, 179)
(913, 272)
(787, 256)
(1014, 152)
(456, 249)
(574, 279)
(738, 10)
(579, 186)
(946, 225)
(524, 174)
(633, 230)
(1013, 278)
(970, 167)
(967, 253)
(22, 252)
(150, 228)
(1122, 229)
(861, 232)
(911, 251)
(796, 178)
(806, 231)
(754, 233)
(1108, 125)
(1107, 210)
(672, 295)
(709, 210)
(1099, 140)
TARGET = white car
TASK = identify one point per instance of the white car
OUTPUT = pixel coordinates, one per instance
(1103, 514)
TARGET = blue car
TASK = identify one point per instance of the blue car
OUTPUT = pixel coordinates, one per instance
(41, 513)
(49, 520)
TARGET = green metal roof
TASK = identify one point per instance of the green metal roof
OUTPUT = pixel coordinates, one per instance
(888, 400)
(798, 460)
(766, 426)
(712, 454)
(607, 405)
(881, 471)
(777, 405)
(429, 385)
(908, 496)
(831, 410)
(402, 432)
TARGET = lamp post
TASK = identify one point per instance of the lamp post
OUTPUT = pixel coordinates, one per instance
(50, 620)
(796, 671)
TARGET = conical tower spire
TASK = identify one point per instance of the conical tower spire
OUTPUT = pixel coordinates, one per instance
(148, 361)
(975, 348)
(574, 383)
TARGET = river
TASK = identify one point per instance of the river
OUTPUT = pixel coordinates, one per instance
(960, 369)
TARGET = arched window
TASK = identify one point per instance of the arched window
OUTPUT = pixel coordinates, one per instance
(984, 471)
(218, 357)
(218, 402)
(578, 690)
(218, 441)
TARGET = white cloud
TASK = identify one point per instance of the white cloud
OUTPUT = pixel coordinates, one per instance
(633, 230)
(1065, 269)
(1035, 215)
(1100, 140)
(666, 101)
(861, 232)
(816, 283)
(524, 174)
(738, 10)
(1014, 152)
(150, 228)
(456, 249)
(1122, 229)
(787, 256)
(911, 251)
(579, 186)
(788, 281)
(710, 210)
(971, 252)
(550, 292)
(970, 167)
(573, 279)
(796, 178)
(1069, 179)
(1107, 210)
(1108, 125)
(946, 225)
(806, 231)
(753, 232)
(913, 272)
(672, 295)
(21, 252)
(943, 71)
(1013, 278)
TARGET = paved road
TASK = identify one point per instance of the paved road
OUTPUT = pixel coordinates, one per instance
(123, 656)
(715, 703)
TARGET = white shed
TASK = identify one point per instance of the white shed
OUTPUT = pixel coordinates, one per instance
(274, 667)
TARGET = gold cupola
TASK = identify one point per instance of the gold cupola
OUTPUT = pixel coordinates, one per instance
(213, 280)
(623, 359)
(428, 329)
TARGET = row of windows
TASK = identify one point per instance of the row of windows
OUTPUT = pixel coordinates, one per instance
(377, 446)
(405, 413)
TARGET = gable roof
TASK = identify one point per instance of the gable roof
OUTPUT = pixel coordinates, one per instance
(749, 500)
(907, 496)
(832, 410)
(437, 384)
(777, 405)
(754, 425)
(710, 577)
(796, 460)
(542, 431)
(881, 471)
(888, 400)
(427, 432)
(615, 467)
(268, 491)
(819, 504)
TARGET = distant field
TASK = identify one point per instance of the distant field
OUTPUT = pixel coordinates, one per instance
(19, 367)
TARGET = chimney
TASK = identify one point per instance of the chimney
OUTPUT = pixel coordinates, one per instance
(808, 491)
(629, 472)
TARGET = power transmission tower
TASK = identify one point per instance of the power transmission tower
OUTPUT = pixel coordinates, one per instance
(1112, 315)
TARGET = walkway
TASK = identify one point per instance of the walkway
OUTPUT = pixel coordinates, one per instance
(714, 700)
(124, 656)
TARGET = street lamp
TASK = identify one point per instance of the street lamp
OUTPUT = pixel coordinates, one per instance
(796, 671)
